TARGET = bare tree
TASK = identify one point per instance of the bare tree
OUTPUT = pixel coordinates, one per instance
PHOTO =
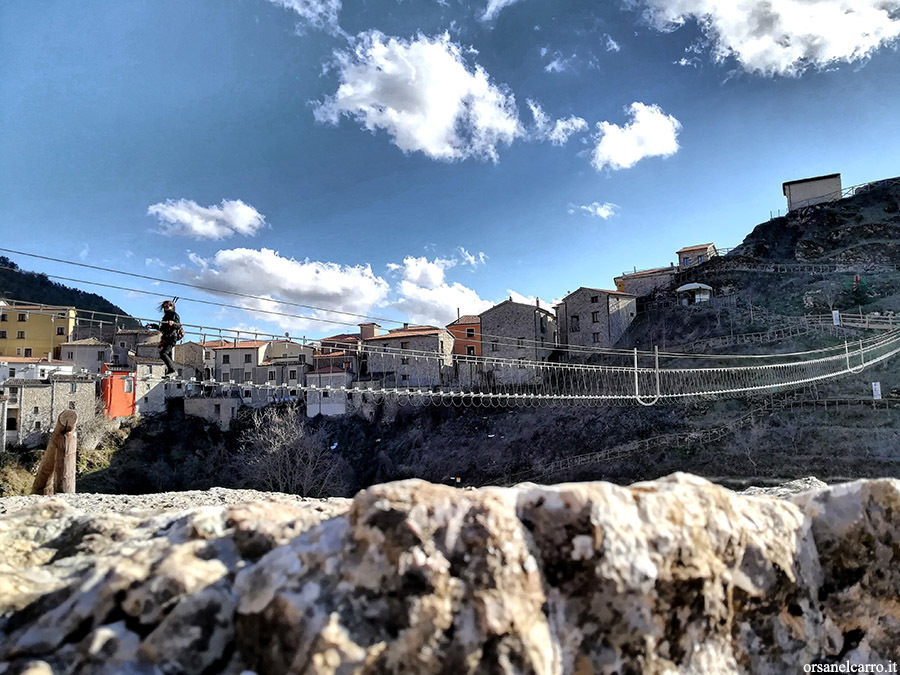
(830, 292)
(280, 454)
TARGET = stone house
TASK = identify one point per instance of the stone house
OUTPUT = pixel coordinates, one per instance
(644, 282)
(594, 318)
(140, 341)
(218, 409)
(327, 395)
(690, 256)
(809, 191)
(151, 390)
(515, 330)
(412, 356)
(235, 361)
(285, 364)
(32, 405)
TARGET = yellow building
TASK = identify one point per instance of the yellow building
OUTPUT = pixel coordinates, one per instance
(34, 330)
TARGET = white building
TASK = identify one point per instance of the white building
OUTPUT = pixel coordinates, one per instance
(32, 368)
(809, 191)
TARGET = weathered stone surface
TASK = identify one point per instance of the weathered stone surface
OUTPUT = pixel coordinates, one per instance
(671, 576)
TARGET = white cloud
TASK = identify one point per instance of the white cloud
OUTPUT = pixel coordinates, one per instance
(493, 8)
(264, 272)
(423, 272)
(85, 250)
(784, 37)
(557, 132)
(186, 218)
(605, 210)
(650, 133)
(612, 45)
(559, 63)
(438, 306)
(321, 14)
(424, 95)
(472, 259)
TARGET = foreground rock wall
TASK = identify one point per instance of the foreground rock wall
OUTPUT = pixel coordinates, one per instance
(672, 576)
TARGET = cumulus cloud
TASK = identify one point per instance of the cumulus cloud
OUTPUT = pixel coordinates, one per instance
(186, 218)
(650, 133)
(612, 45)
(437, 306)
(424, 95)
(266, 273)
(423, 272)
(784, 37)
(321, 14)
(557, 132)
(493, 8)
(559, 63)
(605, 210)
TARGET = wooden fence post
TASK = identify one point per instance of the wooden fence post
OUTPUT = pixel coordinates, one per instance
(59, 458)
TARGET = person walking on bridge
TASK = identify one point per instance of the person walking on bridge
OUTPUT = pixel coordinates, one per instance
(170, 333)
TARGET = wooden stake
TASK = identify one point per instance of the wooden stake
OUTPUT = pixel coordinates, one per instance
(59, 458)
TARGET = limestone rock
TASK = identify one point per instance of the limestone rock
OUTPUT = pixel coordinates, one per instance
(671, 576)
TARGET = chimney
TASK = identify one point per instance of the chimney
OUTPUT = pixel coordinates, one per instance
(405, 325)
(457, 314)
(368, 330)
(537, 301)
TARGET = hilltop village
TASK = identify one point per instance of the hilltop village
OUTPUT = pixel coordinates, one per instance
(53, 358)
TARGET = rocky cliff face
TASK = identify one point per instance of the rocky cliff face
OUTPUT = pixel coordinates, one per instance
(672, 576)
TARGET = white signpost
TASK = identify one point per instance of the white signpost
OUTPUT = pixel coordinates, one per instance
(836, 317)
(876, 391)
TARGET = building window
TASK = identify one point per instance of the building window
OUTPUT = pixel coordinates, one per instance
(129, 385)
(685, 262)
(247, 393)
(574, 323)
(520, 342)
(226, 358)
(325, 394)
(247, 358)
(217, 409)
(43, 373)
(71, 405)
(37, 410)
(595, 317)
(271, 376)
(23, 316)
(2, 334)
(60, 330)
(470, 350)
(495, 346)
(73, 387)
(470, 332)
(595, 299)
(206, 355)
(70, 355)
(292, 374)
(522, 362)
(404, 360)
(27, 351)
(12, 372)
(404, 345)
(248, 376)
(226, 375)
(4, 317)
(20, 334)
(404, 378)
(101, 356)
(37, 424)
(122, 345)
(700, 259)
(596, 337)
(115, 358)
(303, 359)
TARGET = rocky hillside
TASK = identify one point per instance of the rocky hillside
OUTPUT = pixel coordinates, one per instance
(864, 228)
(674, 576)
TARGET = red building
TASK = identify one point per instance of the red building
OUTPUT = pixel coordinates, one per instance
(117, 390)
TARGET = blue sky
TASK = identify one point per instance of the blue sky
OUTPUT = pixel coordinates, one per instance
(404, 159)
